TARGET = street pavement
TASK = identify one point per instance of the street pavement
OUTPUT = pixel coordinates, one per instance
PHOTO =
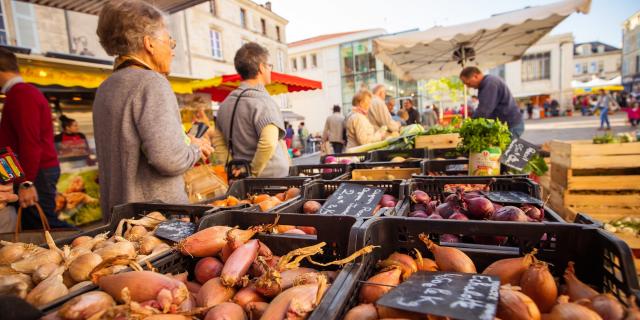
(542, 130)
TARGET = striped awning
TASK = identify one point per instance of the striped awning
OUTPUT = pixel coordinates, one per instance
(94, 6)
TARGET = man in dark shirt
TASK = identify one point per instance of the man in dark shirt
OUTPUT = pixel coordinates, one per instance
(414, 115)
(496, 101)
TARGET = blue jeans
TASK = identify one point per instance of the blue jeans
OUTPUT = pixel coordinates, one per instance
(517, 130)
(604, 118)
(45, 184)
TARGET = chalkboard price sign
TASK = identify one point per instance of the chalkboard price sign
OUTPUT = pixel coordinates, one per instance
(175, 230)
(518, 154)
(512, 197)
(447, 294)
(353, 200)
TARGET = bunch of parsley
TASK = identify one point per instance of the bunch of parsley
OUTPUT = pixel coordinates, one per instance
(479, 134)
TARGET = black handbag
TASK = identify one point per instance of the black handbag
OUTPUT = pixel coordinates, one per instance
(236, 169)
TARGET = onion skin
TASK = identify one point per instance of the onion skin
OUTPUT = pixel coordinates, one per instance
(538, 283)
(509, 213)
(304, 297)
(144, 286)
(255, 309)
(449, 259)
(193, 287)
(402, 261)
(205, 243)
(510, 270)
(426, 264)
(370, 293)
(515, 305)
(43, 272)
(239, 262)
(246, 295)
(571, 311)
(365, 311)
(479, 208)
(311, 207)
(607, 306)
(79, 240)
(288, 277)
(226, 311)
(576, 289)
(31, 263)
(123, 248)
(48, 290)
(207, 269)
(82, 266)
(214, 293)
(86, 305)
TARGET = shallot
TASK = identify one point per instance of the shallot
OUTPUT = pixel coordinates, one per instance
(86, 305)
(538, 283)
(448, 258)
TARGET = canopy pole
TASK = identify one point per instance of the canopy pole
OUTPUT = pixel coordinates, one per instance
(464, 89)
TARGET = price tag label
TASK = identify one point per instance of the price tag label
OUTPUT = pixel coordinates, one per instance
(518, 154)
(353, 200)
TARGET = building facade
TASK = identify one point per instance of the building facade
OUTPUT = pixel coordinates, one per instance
(544, 71)
(596, 59)
(345, 63)
(631, 53)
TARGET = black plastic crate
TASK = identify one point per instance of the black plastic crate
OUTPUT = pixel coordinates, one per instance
(361, 156)
(319, 171)
(602, 260)
(320, 190)
(335, 231)
(446, 153)
(387, 155)
(582, 218)
(241, 189)
(455, 167)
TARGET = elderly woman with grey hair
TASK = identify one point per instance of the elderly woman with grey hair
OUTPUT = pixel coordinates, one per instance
(142, 149)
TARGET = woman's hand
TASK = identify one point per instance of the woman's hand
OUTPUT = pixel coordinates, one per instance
(205, 146)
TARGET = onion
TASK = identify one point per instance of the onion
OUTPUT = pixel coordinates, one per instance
(451, 238)
(193, 287)
(565, 310)
(18, 284)
(80, 240)
(445, 210)
(135, 233)
(633, 313)
(510, 270)
(458, 216)
(426, 264)
(123, 248)
(607, 306)
(31, 263)
(419, 207)
(419, 196)
(366, 311)
(576, 289)
(533, 212)
(402, 261)
(370, 293)
(291, 193)
(247, 295)
(80, 285)
(207, 269)
(214, 293)
(44, 271)
(330, 160)
(311, 207)
(538, 283)
(11, 253)
(255, 309)
(82, 266)
(514, 305)
(48, 290)
(435, 216)
(294, 231)
(431, 207)
(509, 213)
(449, 259)
(479, 208)
(205, 243)
(418, 214)
(226, 311)
(148, 243)
(86, 305)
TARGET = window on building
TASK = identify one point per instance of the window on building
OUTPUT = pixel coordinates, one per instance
(294, 64)
(216, 44)
(314, 61)
(592, 67)
(600, 66)
(536, 66)
(498, 71)
(25, 22)
(278, 36)
(578, 69)
(243, 18)
(263, 24)
(213, 8)
(280, 61)
(304, 62)
(585, 68)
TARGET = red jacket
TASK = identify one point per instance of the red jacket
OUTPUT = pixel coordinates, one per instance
(27, 128)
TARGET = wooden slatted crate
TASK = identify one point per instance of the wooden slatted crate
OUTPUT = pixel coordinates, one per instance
(438, 141)
(602, 180)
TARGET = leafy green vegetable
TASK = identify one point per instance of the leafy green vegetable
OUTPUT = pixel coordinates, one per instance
(479, 134)
(536, 165)
(452, 127)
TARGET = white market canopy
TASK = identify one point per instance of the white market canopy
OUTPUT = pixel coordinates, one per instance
(596, 82)
(94, 6)
(502, 38)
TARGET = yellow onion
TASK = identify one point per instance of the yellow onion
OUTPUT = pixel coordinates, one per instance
(16, 284)
(565, 310)
(43, 272)
(86, 305)
(449, 259)
(365, 311)
(576, 289)
(538, 283)
(48, 290)
(82, 266)
(606, 305)
(31, 263)
(103, 244)
(510, 270)
(402, 261)
(370, 293)
(148, 243)
(123, 248)
(515, 305)
(135, 233)
(80, 240)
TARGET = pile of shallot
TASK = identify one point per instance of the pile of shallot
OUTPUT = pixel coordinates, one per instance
(471, 205)
(40, 275)
(528, 292)
(237, 277)
(264, 201)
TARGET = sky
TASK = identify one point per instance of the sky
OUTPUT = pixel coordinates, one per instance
(309, 18)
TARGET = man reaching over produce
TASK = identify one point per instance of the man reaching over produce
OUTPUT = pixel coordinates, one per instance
(496, 101)
(379, 114)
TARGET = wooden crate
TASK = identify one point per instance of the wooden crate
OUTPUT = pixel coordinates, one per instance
(438, 141)
(384, 174)
(583, 154)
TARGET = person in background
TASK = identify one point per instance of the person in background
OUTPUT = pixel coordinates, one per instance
(390, 101)
(429, 118)
(634, 114)
(585, 105)
(27, 127)
(334, 129)
(529, 110)
(303, 135)
(288, 137)
(496, 101)
(7, 213)
(414, 115)
(71, 142)
(604, 104)
(403, 115)
(142, 149)
(258, 131)
(379, 114)
(359, 130)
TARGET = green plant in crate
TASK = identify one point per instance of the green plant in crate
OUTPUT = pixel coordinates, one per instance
(479, 134)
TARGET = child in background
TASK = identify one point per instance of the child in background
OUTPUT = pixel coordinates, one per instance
(634, 114)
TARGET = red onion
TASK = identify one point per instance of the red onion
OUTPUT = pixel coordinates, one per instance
(471, 195)
(509, 213)
(419, 196)
(533, 212)
(479, 208)
(418, 214)
(435, 216)
(431, 207)
(445, 210)
(419, 207)
(458, 216)
(452, 238)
